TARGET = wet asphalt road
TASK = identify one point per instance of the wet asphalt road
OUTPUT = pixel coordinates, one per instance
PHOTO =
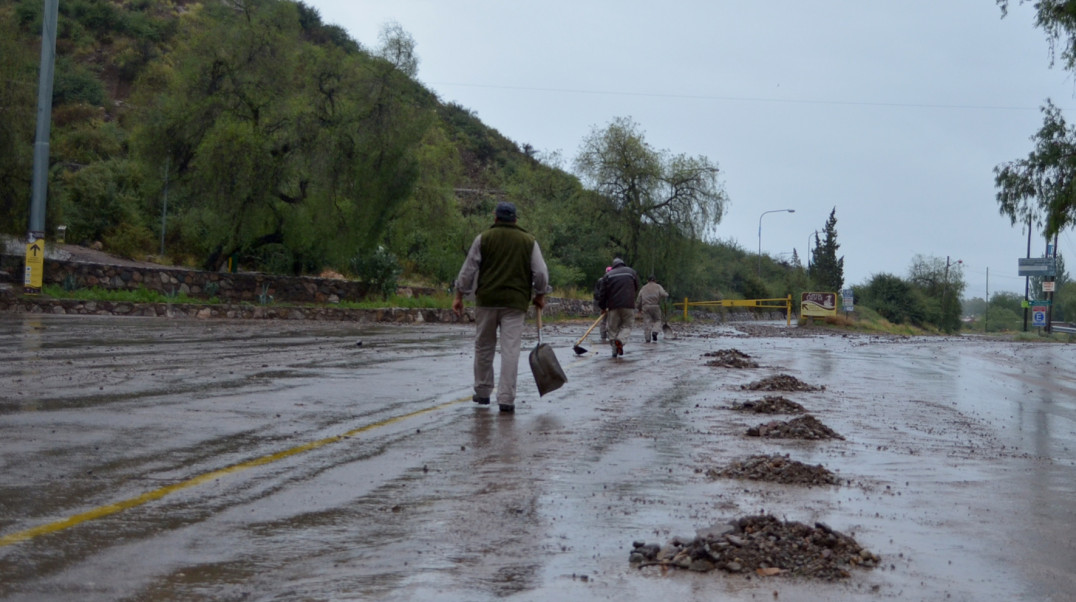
(148, 459)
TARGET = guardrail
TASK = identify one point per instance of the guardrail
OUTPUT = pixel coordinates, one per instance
(785, 304)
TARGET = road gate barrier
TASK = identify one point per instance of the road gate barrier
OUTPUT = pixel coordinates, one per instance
(785, 304)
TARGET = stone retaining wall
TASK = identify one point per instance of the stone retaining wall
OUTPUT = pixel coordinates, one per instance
(13, 301)
(251, 287)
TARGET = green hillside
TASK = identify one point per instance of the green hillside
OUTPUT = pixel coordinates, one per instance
(253, 132)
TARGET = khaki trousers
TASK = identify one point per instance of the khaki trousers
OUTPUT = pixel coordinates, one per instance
(488, 320)
(651, 316)
(620, 322)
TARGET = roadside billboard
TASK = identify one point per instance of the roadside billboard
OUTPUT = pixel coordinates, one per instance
(818, 305)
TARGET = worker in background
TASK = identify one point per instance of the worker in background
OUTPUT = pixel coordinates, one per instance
(649, 302)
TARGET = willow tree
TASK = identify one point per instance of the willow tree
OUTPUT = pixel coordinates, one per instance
(1057, 18)
(16, 129)
(289, 153)
(1042, 187)
(650, 196)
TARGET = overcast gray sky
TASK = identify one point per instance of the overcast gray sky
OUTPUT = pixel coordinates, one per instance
(893, 111)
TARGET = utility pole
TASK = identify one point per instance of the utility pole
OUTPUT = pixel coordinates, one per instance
(1027, 279)
(35, 236)
(164, 206)
(1050, 295)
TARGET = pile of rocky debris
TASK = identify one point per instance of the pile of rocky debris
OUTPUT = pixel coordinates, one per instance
(804, 427)
(777, 469)
(770, 404)
(730, 358)
(781, 382)
(764, 546)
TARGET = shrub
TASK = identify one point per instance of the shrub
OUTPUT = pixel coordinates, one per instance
(893, 299)
(378, 269)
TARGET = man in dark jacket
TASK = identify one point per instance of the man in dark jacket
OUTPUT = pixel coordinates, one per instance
(617, 296)
(503, 267)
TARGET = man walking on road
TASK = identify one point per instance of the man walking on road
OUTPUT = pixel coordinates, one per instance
(617, 295)
(503, 267)
(649, 302)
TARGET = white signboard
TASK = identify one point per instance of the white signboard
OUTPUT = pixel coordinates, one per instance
(1048, 287)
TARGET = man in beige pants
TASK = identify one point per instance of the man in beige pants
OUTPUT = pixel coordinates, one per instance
(503, 268)
(649, 302)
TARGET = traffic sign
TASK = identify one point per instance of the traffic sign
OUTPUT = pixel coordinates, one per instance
(1037, 266)
(35, 264)
(1038, 316)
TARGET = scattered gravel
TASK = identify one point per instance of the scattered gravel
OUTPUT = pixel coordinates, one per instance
(776, 469)
(762, 545)
(770, 404)
(730, 358)
(804, 427)
(781, 382)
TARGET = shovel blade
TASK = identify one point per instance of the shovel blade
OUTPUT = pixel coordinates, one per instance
(548, 374)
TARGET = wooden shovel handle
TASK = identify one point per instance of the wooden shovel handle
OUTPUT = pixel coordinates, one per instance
(587, 333)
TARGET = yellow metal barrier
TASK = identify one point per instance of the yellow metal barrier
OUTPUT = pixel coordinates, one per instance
(785, 304)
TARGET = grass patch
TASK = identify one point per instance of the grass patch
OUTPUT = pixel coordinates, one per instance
(138, 295)
(419, 302)
(866, 320)
(1038, 336)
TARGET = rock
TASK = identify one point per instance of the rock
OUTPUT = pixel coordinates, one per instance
(701, 565)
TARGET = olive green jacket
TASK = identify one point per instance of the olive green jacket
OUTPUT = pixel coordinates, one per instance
(504, 266)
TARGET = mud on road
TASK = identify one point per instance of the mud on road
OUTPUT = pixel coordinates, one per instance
(147, 459)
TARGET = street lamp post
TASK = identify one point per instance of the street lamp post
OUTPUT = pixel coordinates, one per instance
(760, 235)
(813, 234)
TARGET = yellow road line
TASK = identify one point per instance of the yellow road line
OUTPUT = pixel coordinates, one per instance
(157, 494)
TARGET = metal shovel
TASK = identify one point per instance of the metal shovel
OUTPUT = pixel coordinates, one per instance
(548, 374)
(665, 328)
(578, 348)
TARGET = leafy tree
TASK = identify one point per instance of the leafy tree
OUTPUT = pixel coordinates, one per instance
(1042, 187)
(17, 104)
(642, 187)
(427, 229)
(827, 270)
(303, 149)
(102, 202)
(942, 284)
(398, 48)
(1064, 308)
(1058, 19)
(1004, 312)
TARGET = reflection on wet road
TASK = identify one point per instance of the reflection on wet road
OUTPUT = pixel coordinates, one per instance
(339, 461)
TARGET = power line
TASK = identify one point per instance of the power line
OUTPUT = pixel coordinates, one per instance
(808, 101)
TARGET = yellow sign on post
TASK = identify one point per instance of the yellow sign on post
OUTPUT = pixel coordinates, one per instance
(35, 265)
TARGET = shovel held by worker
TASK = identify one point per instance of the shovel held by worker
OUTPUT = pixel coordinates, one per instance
(665, 328)
(548, 374)
(578, 348)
